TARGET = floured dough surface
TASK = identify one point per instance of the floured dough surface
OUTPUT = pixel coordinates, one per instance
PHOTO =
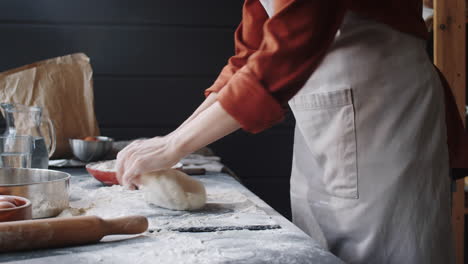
(173, 189)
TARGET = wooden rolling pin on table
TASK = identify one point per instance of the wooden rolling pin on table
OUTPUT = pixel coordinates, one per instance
(60, 232)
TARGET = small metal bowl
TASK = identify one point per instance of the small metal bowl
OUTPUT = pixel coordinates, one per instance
(22, 211)
(91, 150)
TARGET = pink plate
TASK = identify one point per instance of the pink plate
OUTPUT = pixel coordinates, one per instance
(109, 177)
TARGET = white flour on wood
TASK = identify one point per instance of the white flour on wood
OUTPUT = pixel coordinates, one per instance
(107, 166)
(224, 207)
(43, 206)
(224, 247)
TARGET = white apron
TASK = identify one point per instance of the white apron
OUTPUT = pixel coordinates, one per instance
(370, 169)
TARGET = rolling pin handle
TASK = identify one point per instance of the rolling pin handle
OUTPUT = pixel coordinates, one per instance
(128, 225)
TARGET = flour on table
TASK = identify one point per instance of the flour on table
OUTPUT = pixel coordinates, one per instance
(107, 166)
(43, 206)
(224, 207)
(224, 247)
(227, 205)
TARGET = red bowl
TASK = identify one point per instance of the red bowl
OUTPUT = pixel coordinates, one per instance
(110, 177)
(22, 211)
(106, 177)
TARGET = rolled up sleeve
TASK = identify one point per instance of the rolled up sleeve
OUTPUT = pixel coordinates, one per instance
(295, 40)
(254, 108)
(247, 40)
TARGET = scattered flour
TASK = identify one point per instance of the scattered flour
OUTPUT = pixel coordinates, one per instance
(224, 207)
(107, 166)
(280, 246)
(44, 206)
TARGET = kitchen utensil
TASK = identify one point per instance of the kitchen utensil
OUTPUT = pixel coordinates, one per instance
(22, 211)
(66, 163)
(104, 171)
(15, 151)
(91, 150)
(204, 229)
(107, 177)
(193, 170)
(46, 189)
(25, 120)
(61, 232)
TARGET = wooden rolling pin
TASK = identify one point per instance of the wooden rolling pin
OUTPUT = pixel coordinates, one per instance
(60, 232)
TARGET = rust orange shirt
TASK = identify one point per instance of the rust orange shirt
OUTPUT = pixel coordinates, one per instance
(275, 56)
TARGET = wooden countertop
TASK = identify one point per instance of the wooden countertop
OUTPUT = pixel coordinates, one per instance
(170, 238)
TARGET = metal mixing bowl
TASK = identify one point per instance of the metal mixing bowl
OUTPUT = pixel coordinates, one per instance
(46, 189)
(91, 150)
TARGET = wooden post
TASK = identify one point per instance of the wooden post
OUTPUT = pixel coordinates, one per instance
(449, 56)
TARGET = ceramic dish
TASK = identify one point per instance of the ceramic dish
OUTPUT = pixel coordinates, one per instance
(104, 171)
(22, 209)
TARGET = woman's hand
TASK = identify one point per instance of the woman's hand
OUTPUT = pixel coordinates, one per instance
(160, 153)
(143, 156)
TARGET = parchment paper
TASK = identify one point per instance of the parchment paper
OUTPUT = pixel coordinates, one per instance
(63, 87)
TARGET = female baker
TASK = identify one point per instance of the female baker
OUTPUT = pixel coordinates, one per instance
(370, 177)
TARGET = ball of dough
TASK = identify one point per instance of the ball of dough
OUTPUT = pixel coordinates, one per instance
(6, 205)
(173, 189)
(10, 200)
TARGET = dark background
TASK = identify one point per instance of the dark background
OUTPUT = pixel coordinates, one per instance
(152, 60)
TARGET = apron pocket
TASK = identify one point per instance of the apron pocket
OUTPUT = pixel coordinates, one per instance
(326, 120)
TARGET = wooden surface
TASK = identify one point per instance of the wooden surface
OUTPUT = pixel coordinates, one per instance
(449, 56)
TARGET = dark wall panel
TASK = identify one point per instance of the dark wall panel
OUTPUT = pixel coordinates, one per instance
(153, 102)
(265, 155)
(208, 13)
(121, 50)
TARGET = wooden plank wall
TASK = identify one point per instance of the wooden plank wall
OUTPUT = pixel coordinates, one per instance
(450, 58)
(152, 59)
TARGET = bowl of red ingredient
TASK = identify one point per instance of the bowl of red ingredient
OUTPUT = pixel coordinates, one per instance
(91, 148)
(14, 208)
(105, 171)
